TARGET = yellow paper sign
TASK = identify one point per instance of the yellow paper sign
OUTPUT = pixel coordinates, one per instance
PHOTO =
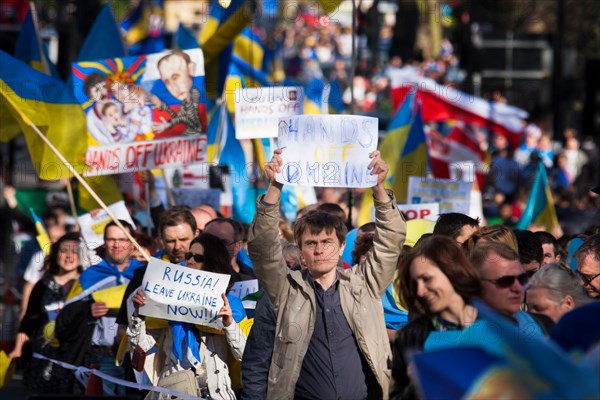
(113, 296)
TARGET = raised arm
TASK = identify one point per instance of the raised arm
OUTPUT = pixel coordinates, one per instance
(390, 233)
(264, 246)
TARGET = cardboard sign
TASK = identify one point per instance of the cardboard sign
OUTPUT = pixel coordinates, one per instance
(452, 196)
(257, 110)
(242, 289)
(183, 294)
(143, 112)
(93, 224)
(327, 150)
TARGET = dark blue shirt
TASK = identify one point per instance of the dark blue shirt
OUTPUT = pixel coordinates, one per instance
(333, 367)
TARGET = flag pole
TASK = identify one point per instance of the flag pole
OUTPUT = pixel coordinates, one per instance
(72, 203)
(81, 181)
(170, 197)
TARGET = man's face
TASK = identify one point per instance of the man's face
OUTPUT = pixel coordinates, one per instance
(498, 294)
(118, 248)
(176, 74)
(549, 255)
(177, 241)
(225, 232)
(465, 233)
(320, 253)
(589, 270)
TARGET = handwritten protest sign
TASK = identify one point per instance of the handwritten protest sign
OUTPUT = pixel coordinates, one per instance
(183, 294)
(327, 150)
(452, 196)
(242, 289)
(93, 224)
(257, 110)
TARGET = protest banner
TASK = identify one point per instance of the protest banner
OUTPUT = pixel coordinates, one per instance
(143, 112)
(452, 196)
(93, 224)
(257, 110)
(183, 294)
(242, 289)
(327, 150)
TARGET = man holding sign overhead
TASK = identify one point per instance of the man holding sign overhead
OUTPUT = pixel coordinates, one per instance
(330, 341)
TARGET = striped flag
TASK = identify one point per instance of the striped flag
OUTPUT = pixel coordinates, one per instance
(540, 206)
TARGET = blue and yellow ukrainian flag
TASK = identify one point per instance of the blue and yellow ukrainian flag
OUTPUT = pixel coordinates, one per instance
(34, 97)
(32, 50)
(321, 97)
(143, 28)
(216, 40)
(414, 159)
(249, 55)
(391, 148)
(231, 154)
(540, 207)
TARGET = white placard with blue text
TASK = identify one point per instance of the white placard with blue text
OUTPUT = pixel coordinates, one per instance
(183, 294)
(452, 195)
(327, 150)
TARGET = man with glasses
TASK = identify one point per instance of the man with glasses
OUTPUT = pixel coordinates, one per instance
(503, 281)
(588, 265)
(99, 345)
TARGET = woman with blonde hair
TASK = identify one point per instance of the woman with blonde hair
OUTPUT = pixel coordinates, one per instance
(494, 233)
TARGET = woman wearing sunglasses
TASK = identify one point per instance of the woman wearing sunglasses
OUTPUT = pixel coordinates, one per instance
(555, 290)
(207, 348)
(436, 283)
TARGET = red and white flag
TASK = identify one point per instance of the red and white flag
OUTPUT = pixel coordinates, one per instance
(458, 155)
(444, 103)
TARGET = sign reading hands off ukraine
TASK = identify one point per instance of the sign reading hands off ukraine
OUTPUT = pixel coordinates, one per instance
(327, 150)
(183, 294)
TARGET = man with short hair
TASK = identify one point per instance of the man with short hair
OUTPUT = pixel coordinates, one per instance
(550, 247)
(458, 226)
(502, 275)
(588, 265)
(330, 339)
(232, 234)
(177, 229)
(503, 281)
(531, 254)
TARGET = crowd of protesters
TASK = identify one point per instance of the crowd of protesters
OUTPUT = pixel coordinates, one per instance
(320, 326)
(323, 326)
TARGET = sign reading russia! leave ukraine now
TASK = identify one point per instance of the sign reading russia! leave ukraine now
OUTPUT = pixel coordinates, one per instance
(183, 294)
(327, 150)
(143, 112)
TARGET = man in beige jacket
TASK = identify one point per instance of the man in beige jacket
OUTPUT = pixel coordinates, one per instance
(330, 339)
